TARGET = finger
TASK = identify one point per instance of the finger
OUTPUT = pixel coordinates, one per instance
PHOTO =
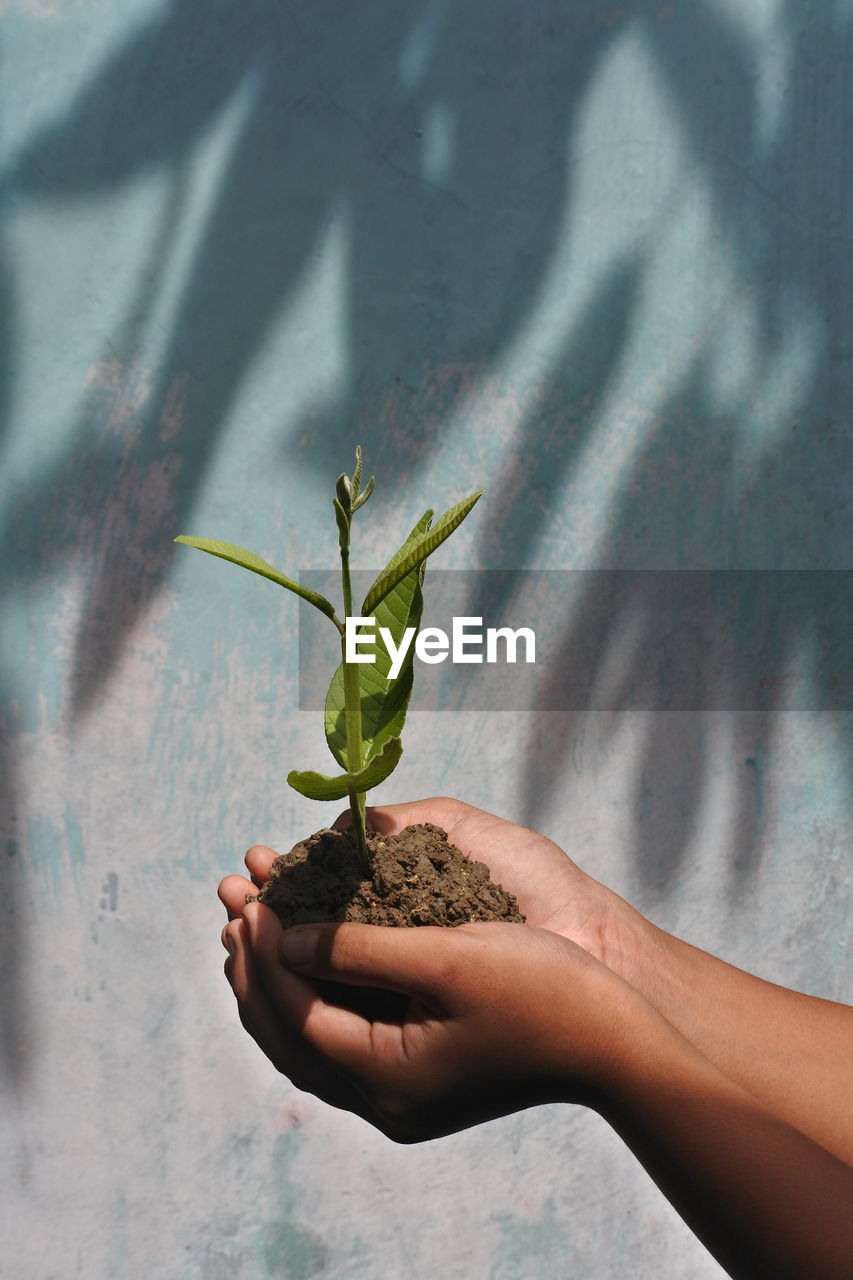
(422, 962)
(393, 818)
(290, 995)
(390, 819)
(259, 859)
(256, 1013)
(238, 971)
(236, 964)
(278, 1007)
(232, 894)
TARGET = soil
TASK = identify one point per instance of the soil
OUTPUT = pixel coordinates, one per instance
(419, 878)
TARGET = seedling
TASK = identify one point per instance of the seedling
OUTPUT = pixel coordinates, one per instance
(365, 706)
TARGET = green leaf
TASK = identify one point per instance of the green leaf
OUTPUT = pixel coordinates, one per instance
(343, 523)
(420, 528)
(344, 492)
(384, 702)
(248, 560)
(362, 498)
(409, 557)
(356, 475)
(316, 786)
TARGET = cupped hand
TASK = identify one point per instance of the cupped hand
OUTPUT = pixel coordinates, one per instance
(498, 1017)
(282, 1008)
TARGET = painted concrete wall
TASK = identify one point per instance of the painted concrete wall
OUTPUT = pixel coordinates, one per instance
(593, 258)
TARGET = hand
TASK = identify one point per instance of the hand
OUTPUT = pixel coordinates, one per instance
(688, 1058)
(498, 1017)
(552, 892)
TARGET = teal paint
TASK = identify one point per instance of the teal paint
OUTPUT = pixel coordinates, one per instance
(280, 1244)
(536, 1248)
(44, 855)
(290, 1248)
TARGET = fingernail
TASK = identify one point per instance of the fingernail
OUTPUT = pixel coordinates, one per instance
(229, 940)
(298, 946)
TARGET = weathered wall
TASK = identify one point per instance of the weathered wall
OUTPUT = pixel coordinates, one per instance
(593, 258)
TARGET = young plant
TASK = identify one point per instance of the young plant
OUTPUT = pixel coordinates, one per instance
(365, 706)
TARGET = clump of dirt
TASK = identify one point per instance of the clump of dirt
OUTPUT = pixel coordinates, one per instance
(419, 878)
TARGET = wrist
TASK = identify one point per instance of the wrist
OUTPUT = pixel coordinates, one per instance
(612, 931)
(606, 1031)
(638, 951)
(649, 1060)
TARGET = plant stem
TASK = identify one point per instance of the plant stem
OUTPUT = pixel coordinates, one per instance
(352, 713)
(356, 802)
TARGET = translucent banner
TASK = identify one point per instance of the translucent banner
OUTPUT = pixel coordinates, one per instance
(609, 640)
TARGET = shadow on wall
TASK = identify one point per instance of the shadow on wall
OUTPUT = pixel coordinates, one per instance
(437, 140)
(700, 491)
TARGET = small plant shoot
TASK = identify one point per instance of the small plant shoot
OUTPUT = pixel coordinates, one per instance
(366, 704)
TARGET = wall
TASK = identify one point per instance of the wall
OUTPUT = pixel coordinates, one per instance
(595, 259)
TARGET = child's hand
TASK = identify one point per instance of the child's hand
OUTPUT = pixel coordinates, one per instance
(499, 1017)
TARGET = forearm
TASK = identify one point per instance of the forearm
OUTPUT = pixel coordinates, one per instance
(763, 1198)
(792, 1052)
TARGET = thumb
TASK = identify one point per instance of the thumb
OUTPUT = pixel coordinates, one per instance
(418, 961)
